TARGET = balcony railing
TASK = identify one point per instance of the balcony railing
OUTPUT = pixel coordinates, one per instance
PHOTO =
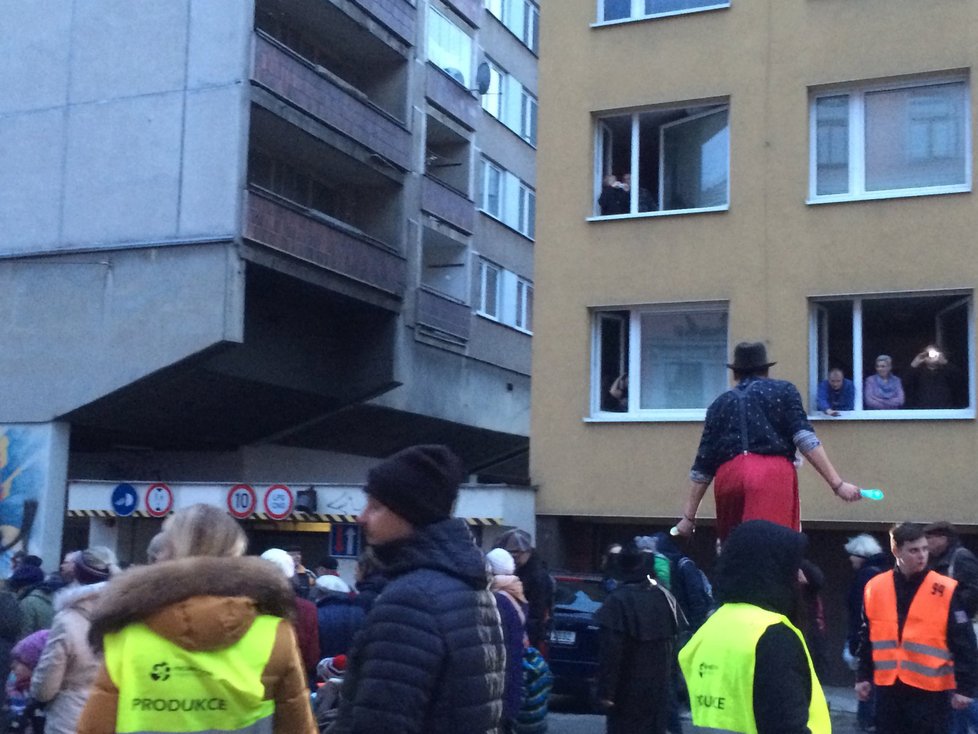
(450, 96)
(447, 204)
(332, 245)
(331, 100)
(399, 16)
(443, 313)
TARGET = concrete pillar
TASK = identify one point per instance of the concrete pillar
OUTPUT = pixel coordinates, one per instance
(33, 480)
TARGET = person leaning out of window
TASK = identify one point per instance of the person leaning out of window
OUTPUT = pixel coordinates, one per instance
(836, 393)
(883, 391)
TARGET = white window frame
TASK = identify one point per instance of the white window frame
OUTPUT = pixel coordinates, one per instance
(638, 12)
(494, 100)
(600, 162)
(857, 140)
(818, 359)
(520, 17)
(517, 199)
(529, 111)
(484, 268)
(633, 334)
(444, 57)
(513, 307)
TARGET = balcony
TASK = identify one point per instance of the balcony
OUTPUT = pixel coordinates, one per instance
(471, 10)
(451, 97)
(447, 205)
(446, 315)
(398, 15)
(329, 99)
(330, 244)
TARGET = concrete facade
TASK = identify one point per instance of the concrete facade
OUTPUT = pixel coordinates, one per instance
(222, 226)
(772, 255)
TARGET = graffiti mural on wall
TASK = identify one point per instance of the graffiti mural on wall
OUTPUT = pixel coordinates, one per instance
(23, 460)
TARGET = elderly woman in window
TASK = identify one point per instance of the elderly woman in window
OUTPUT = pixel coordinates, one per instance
(883, 391)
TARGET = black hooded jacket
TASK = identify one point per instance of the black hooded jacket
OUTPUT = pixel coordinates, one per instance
(759, 565)
(429, 657)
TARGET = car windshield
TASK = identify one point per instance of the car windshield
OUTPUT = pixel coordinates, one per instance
(579, 595)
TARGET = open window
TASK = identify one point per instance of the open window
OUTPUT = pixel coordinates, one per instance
(856, 334)
(665, 361)
(663, 160)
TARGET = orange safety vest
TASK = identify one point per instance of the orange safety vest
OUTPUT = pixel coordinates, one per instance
(920, 657)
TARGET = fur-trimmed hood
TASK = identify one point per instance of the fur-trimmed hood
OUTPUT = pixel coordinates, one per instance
(78, 597)
(199, 603)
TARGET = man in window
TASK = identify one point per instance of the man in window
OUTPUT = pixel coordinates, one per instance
(836, 393)
(748, 444)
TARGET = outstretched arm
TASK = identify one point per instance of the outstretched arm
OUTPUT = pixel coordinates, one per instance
(846, 491)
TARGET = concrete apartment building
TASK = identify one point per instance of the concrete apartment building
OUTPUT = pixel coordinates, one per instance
(256, 243)
(801, 174)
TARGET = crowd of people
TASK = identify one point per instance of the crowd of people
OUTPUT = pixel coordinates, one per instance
(931, 382)
(436, 636)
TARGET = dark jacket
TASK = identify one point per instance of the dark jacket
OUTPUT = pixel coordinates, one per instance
(9, 634)
(687, 582)
(339, 619)
(873, 565)
(960, 635)
(368, 589)
(307, 635)
(637, 639)
(430, 655)
(512, 615)
(538, 587)
(759, 566)
(965, 572)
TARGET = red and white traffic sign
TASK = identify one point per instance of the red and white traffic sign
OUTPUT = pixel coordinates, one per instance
(159, 500)
(279, 501)
(242, 501)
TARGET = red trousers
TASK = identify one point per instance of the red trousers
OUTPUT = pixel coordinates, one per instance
(756, 487)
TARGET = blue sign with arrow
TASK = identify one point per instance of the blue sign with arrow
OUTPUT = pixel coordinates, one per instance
(124, 500)
(346, 540)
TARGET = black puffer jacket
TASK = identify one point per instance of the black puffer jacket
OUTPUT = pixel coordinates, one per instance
(430, 655)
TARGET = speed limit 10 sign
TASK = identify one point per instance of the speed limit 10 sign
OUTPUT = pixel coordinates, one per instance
(242, 501)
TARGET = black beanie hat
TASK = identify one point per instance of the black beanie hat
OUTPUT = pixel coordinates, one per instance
(419, 483)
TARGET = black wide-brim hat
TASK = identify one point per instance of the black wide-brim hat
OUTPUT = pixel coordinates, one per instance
(749, 356)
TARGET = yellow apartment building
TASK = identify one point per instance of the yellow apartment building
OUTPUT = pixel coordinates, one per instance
(800, 173)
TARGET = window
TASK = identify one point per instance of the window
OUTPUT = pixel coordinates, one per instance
(492, 100)
(521, 17)
(662, 160)
(511, 103)
(528, 118)
(505, 297)
(896, 139)
(609, 10)
(449, 47)
(508, 199)
(850, 333)
(672, 356)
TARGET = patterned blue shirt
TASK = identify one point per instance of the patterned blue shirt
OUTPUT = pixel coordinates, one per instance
(776, 422)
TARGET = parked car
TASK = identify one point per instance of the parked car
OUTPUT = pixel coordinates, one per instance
(574, 636)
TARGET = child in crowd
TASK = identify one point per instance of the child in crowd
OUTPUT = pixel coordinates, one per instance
(326, 699)
(23, 660)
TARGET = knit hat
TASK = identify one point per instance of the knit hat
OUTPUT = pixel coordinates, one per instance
(501, 562)
(25, 576)
(28, 651)
(333, 667)
(941, 527)
(420, 483)
(515, 541)
(332, 583)
(282, 560)
(94, 565)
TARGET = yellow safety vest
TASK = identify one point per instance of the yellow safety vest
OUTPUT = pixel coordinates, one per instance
(718, 663)
(165, 688)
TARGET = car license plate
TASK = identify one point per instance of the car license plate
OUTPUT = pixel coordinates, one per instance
(563, 637)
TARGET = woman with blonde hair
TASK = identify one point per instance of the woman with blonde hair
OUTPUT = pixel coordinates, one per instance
(201, 640)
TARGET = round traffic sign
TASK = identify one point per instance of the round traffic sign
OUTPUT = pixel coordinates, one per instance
(124, 500)
(242, 501)
(279, 501)
(159, 500)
